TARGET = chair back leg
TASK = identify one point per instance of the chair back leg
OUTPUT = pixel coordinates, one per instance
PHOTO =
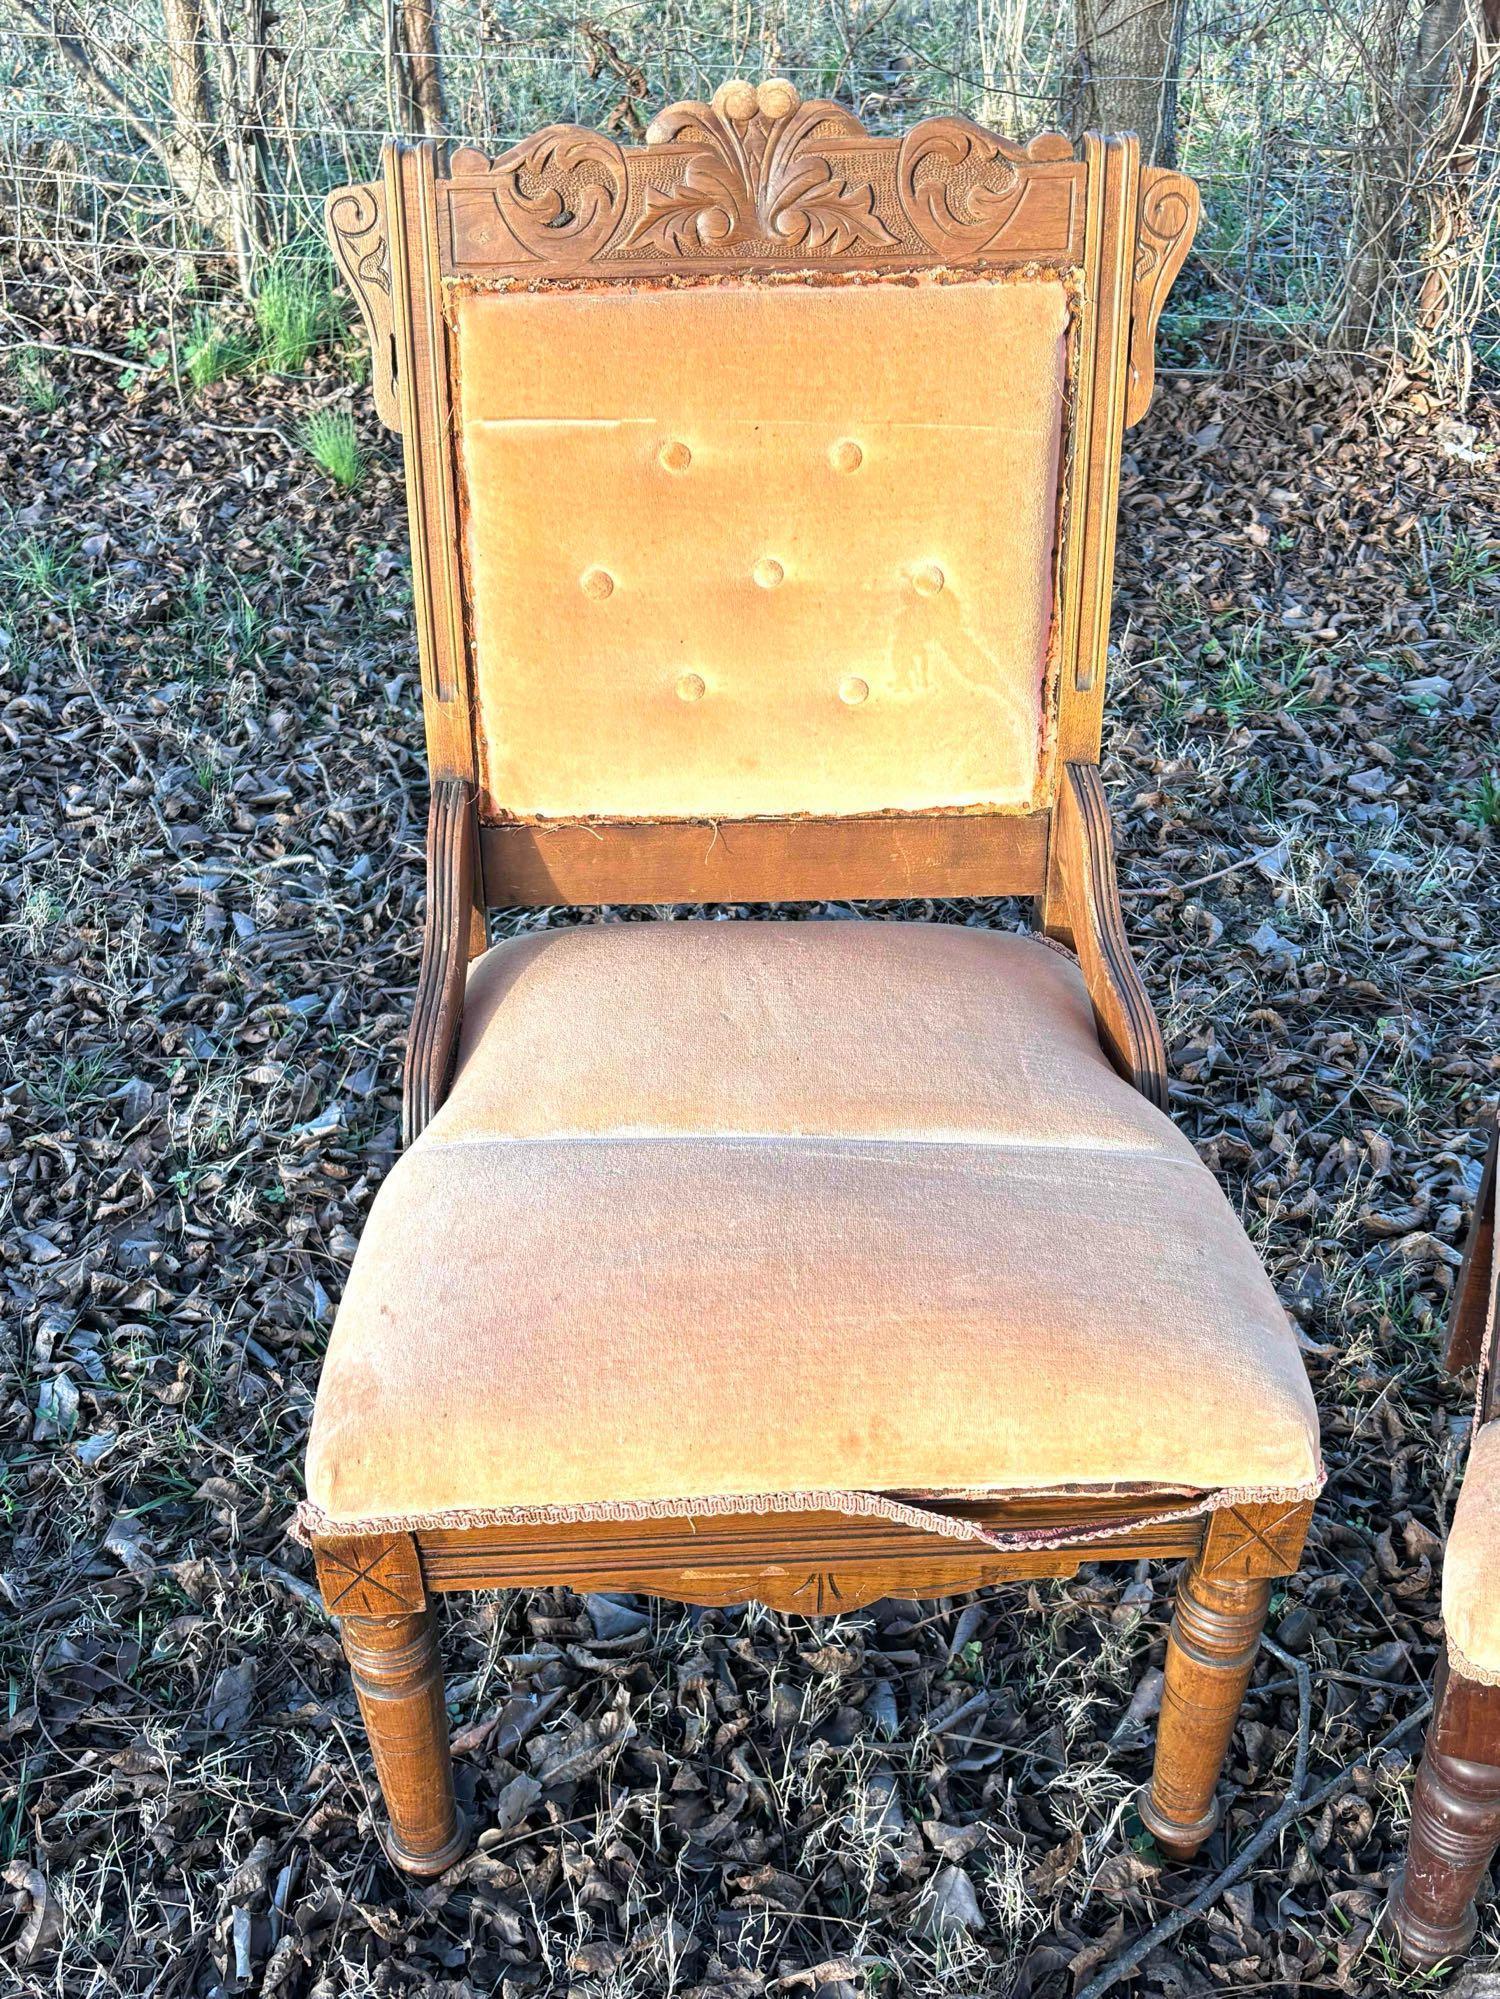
(1222, 1601)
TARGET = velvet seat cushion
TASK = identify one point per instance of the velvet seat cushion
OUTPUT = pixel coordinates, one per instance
(729, 1211)
(1471, 1564)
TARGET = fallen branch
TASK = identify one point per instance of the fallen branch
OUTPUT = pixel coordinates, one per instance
(1296, 1806)
(47, 347)
(1202, 881)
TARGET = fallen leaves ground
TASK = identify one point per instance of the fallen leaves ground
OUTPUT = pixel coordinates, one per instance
(210, 898)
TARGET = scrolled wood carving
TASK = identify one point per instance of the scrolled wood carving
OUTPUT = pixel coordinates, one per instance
(358, 236)
(759, 178)
(438, 1012)
(1168, 221)
(558, 195)
(1089, 897)
(960, 185)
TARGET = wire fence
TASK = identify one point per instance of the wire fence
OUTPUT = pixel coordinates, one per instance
(1346, 148)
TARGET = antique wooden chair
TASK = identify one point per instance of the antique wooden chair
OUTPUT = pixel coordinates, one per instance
(762, 485)
(1455, 1807)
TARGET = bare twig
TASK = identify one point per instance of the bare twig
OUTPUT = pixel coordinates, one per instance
(1202, 881)
(48, 347)
(1296, 1806)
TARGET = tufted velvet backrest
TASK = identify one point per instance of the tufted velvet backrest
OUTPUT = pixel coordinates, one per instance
(756, 549)
(762, 482)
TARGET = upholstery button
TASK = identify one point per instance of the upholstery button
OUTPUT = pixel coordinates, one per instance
(853, 690)
(675, 456)
(846, 455)
(691, 687)
(768, 572)
(597, 583)
(928, 580)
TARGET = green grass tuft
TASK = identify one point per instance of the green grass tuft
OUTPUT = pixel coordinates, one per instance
(330, 438)
(214, 351)
(44, 575)
(1483, 808)
(297, 311)
(40, 389)
(1261, 674)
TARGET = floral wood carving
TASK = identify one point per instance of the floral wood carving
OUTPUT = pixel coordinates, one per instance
(757, 174)
(758, 177)
(355, 219)
(1168, 221)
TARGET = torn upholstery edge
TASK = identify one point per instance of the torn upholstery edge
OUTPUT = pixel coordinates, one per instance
(311, 1523)
(1487, 1333)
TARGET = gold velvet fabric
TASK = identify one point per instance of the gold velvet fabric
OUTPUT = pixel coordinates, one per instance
(1471, 1563)
(740, 549)
(719, 1210)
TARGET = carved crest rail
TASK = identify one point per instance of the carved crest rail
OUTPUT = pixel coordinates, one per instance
(760, 182)
(758, 178)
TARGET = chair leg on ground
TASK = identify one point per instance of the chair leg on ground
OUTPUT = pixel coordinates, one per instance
(1455, 1825)
(1221, 1608)
(398, 1677)
(373, 1584)
(1210, 1652)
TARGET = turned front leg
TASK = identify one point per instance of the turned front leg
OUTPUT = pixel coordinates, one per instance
(398, 1678)
(1455, 1823)
(1455, 1828)
(1210, 1653)
(373, 1584)
(1222, 1601)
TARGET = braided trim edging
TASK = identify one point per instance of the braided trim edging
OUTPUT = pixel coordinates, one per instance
(312, 1523)
(1469, 1669)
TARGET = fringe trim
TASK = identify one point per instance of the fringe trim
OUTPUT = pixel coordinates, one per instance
(312, 1523)
(1487, 1676)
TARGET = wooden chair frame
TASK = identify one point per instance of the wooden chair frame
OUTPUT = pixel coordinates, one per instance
(1455, 1807)
(802, 188)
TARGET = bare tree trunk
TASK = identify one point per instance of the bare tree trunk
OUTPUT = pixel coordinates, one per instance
(187, 73)
(1454, 192)
(420, 80)
(240, 155)
(183, 149)
(1405, 156)
(1125, 69)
